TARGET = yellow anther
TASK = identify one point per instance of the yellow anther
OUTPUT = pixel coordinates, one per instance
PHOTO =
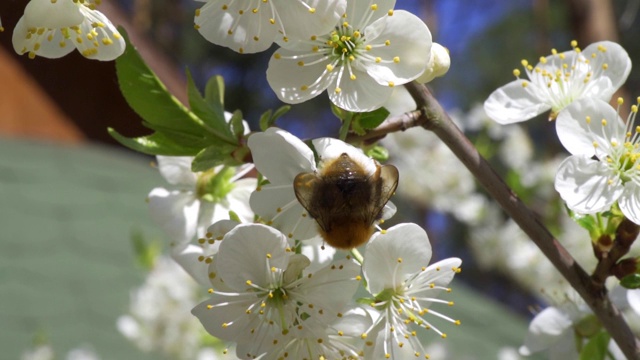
(374, 7)
(396, 59)
(574, 43)
(312, 10)
(516, 73)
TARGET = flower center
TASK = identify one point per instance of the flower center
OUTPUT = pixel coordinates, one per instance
(214, 187)
(563, 77)
(345, 42)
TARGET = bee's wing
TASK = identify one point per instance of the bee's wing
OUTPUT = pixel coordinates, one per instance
(388, 183)
(304, 186)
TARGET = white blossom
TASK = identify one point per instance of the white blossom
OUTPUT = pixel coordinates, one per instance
(588, 128)
(558, 80)
(249, 26)
(371, 50)
(53, 29)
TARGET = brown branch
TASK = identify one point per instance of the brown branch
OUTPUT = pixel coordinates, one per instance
(626, 234)
(439, 122)
(396, 123)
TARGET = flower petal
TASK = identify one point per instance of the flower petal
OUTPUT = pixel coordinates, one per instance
(248, 252)
(176, 212)
(300, 19)
(391, 257)
(332, 287)
(329, 149)
(513, 103)
(239, 197)
(545, 330)
(230, 24)
(362, 13)
(177, 170)
(297, 76)
(578, 136)
(613, 57)
(97, 38)
(402, 42)
(51, 44)
(280, 156)
(52, 14)
(584, 185)
(359, 95)
(630, 202)
(187, 258)
(278, 205)
(217, 311)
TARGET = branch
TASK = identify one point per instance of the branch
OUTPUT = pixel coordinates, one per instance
(436, 120)
(396, 123)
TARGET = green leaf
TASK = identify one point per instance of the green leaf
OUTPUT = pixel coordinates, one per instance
(596, 347)
(372, 119)
(631, 281)
(265, 120)
(212, 156)
(155, 144)
(148, 96)
(210, 109)
(339, 112)
(233, 216)
(378, 153)
(236, 124)
(214, 92)
(279, 112)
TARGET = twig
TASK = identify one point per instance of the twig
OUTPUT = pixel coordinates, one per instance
(438, 121)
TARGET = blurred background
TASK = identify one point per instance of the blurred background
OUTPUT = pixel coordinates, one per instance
(72, 199)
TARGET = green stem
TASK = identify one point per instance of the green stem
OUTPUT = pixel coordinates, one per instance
(356, 255)
(344, 129)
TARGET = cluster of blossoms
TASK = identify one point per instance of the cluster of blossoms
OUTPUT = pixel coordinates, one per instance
(274, 289)
(575, 85)
(598, 181)
(356, 50)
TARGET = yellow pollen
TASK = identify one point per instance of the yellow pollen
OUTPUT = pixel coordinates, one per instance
(374, 7)
(338, 90)
(301, 63)
(396, 59)
(329, 67)
(525, 84)
(383, 231)
(604, 122)
(588, 119)
(390, 12)
(272, 21)
(249, 282)
(391, 84)
(312, 10)
(209, 307)
(444, 336)
(367, 48)
(516, 73)
(387, 42)
(352, 77)
(304, 87)
(225, 7)
(399, 260)
(605, 66)
(378, 59)
(574, 43)
(620, 101)
(277, 56)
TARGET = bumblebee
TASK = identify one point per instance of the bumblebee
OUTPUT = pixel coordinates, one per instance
(345, 200)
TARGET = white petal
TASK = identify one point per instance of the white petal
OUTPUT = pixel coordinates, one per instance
(176, 212)
(630, 202)
(280, 156)
(237, 27)
(294, 83)
(362, 13)
(329, 149)
(177, 170)
(392, 257)
(409, 40)
(52, 15)
(583, 184)
(545, 330)
(299, 22)
(359, 95)
(332, 287)
(248, 252)
(440, 273)
(292, 219)
(617, 62)
(102, 42)
(25, 42)
(565, 348)
(319, 255)
(573, 130)
(187, 258)
(212, 314)
(239, 197)
(513, 103)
